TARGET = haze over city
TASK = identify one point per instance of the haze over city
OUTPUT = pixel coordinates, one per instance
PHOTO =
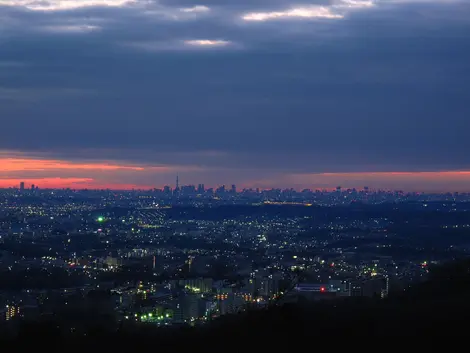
(306, 94)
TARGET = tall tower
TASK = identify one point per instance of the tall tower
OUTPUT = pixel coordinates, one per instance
(177, 182)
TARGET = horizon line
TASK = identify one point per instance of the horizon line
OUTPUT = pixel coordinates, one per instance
(332, 189)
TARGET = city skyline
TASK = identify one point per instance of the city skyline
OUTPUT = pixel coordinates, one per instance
(309, 94)
(345, 181)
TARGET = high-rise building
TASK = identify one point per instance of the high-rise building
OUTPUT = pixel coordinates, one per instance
(166, 190)
(11, 312)
(187, 308)
(22, 186)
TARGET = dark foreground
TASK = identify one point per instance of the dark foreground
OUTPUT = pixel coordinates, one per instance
(436, 311)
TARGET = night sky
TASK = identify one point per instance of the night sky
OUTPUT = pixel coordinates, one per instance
(258, 93)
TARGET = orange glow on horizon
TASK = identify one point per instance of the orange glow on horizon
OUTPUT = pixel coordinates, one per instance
(44, 182)
(72, 183)
(442, 181)
(438, 175)
(27, 164)
(56, 173)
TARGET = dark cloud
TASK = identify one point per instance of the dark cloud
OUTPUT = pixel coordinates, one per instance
(384, 88)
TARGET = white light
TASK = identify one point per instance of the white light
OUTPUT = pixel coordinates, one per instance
(355, 4)
(301, 12)
(206, 42)
(62, 5)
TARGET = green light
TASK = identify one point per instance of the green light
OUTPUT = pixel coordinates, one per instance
(100, 219)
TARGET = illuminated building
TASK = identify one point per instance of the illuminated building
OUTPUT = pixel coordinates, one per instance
(11, 312)
(197, 285)
(229, 303)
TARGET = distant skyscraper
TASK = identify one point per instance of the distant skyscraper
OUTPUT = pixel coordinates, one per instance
(22, 186)
(200, 188)
(177, 182)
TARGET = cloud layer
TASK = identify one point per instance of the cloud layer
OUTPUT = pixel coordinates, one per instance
(242, 91)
